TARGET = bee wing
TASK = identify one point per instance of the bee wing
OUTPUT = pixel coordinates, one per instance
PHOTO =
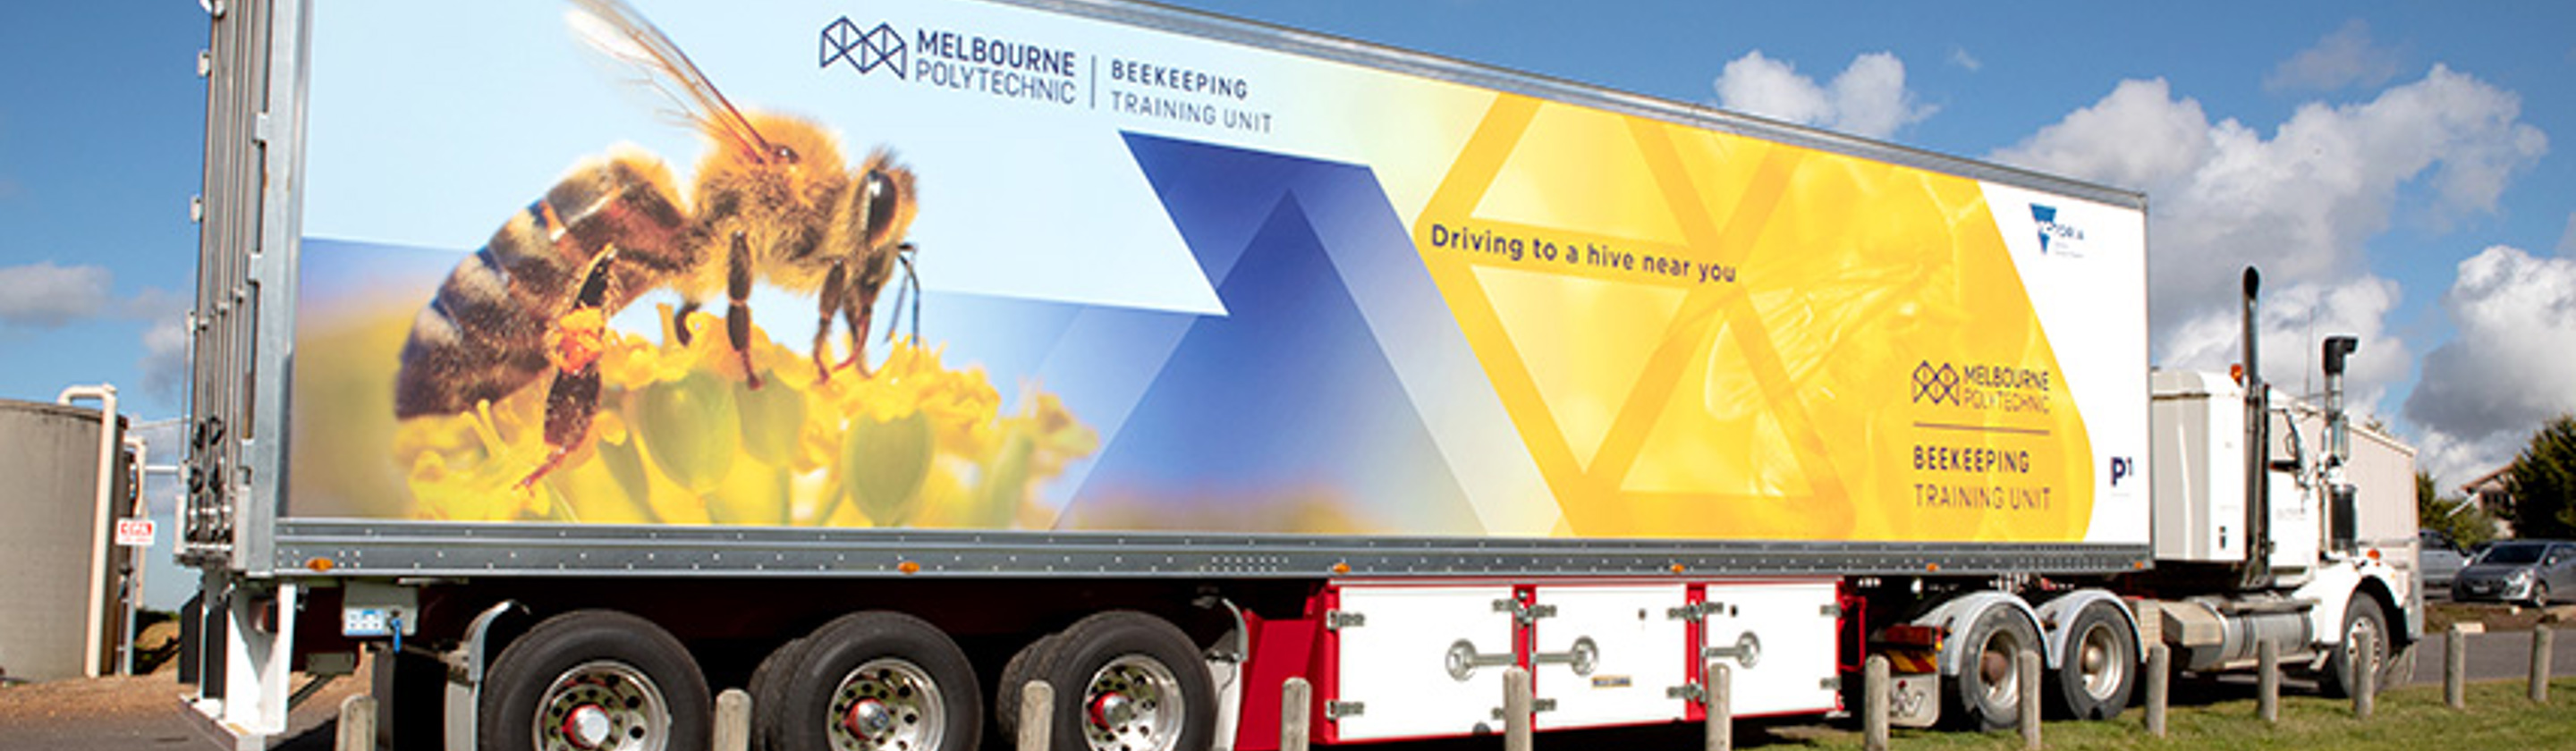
(618, 31)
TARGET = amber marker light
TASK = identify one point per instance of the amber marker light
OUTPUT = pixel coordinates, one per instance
(1678, 568)
(1931, 567)
(908, 567)
(319, 564)
(1341, 567)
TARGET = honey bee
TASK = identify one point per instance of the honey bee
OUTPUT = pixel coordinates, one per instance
(772, 201)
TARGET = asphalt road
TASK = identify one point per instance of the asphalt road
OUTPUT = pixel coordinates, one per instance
(143, 713)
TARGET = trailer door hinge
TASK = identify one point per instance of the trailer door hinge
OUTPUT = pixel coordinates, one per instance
(1830, 610)
(1830, 683)
(1536, 706)
(1337, 620)
(1525, 614)
(1691, 692)
(1695, 611)
(1340, 709)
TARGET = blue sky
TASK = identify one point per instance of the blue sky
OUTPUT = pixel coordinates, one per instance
(2399, 170)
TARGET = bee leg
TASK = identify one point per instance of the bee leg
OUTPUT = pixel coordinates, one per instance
(738, 312)
(861, 315)
(573, 344)
(680, 320)
(834, 286)
(570, 403)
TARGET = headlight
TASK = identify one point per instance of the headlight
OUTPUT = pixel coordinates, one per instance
(2520, 577)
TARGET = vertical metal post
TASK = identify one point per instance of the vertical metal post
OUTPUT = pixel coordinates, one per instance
(2541, 641)
(2159, 673)
(2455, 668)
(2365, 675)
(2026, 679)
(1721, 707)
(1037, 715)
(1873, 702)
(733, 720)
(1295, 710)
(1516, 709)
(357, 724)
(2267, 680)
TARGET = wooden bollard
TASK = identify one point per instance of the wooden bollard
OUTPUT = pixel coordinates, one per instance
(1873, 703)
(1516, 709)
(357, 724)
(1037, 715)
(2542, 641)
(2026, 678)
(1295, 714)
(2267, 681)
(2159, 672)
(1720, 708)
(2455, 668)
(733, 720)
(2365, 675)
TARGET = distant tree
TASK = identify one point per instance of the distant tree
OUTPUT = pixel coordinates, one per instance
(2452, 516)
(2543, 483)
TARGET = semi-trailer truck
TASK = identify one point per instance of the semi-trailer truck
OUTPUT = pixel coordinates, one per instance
(574, 362)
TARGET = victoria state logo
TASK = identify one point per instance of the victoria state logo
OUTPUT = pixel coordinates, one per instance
(865, 51)
(2045, 218)
(1936, 385)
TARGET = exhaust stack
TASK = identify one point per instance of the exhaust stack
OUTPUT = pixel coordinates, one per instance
(2338, 425)
(2258, 434)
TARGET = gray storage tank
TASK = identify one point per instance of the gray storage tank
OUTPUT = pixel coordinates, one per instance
(48, 528)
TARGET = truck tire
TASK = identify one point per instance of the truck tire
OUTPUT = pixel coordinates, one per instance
(594, 679)
(1127, 681)
(2099, 670)
(1015, 674)
(877, 680)
(2362, 616)
(768, 692)
(1986, 694)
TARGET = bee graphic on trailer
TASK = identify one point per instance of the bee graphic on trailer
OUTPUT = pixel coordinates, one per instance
(771, 202)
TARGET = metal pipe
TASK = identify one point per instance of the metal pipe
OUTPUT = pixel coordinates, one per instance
(2258, 427)
(99, 529)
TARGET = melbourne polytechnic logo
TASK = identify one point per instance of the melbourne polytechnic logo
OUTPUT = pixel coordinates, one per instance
(865, 51)
(2050, 231)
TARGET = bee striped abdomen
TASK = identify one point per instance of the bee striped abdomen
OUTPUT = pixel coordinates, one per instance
(482, 336)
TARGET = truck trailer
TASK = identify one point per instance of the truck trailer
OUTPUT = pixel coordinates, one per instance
(575, 362)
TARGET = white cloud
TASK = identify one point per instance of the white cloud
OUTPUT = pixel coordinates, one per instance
(1867, 99)
(43, 295)
(1959, 56)
(164, 365)
(2344, 58)
(2300, 204)
(2509, 367)
(2139, 136)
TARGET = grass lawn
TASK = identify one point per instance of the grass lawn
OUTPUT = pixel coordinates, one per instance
(2499, 717)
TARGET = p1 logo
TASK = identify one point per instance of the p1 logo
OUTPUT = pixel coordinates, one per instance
(2121, 468)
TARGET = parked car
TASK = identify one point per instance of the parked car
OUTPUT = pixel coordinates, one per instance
(2439, 558)
(2532, 571)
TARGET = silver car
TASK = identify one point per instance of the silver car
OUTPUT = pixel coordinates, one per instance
(2533, 571)
(2440, 560)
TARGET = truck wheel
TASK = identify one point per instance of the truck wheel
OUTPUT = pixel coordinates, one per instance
(594, 679)
(2095, 676)
(2363, 616)
(768, 691)
(1127, 681)
(877, 680)
(1986, 695)
(1016, 674)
